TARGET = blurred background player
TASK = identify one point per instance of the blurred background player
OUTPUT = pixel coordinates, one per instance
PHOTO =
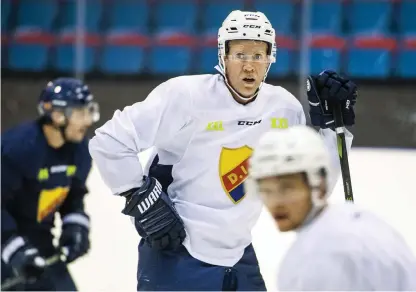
(204, 128)
(44, 166)
(338, 247)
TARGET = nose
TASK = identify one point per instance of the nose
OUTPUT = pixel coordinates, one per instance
(248, 67)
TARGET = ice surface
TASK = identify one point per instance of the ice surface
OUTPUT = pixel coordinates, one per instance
(382, 180)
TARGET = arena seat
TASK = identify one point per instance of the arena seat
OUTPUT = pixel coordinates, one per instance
(326, 53)
(175, 16)
(124, 53)
(37, 15)
(29, 51)
(65, 53)
(215, 11)
(129, 15)
(407, 17)
(406, 66)
(280, 14)
(367, 17)
(6, 7)
(171, 54)
(326, 17)
(93, 14)
(371, 57)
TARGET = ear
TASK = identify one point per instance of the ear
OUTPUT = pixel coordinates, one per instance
(322, 188)
(58, 118)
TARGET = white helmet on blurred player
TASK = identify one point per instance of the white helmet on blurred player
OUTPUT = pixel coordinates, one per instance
(246, 25)
(298, 149)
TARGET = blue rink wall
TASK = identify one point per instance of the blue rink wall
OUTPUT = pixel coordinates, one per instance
(383, 181)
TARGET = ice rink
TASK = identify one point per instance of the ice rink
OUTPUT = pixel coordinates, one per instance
(383, 181)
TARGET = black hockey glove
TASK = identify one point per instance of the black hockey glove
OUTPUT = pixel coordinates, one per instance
(23, 258)
(74, 239)
(155, 216)
(326, 90)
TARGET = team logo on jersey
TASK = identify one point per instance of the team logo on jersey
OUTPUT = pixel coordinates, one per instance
(234, 171)
(50, 200)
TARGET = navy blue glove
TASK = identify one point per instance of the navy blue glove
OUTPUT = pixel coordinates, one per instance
(327, 90)
(24, 259)
(155, 217)
(75, 236)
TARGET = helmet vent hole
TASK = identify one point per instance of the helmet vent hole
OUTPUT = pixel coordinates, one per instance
(233, 28)
(244, 34)
(258, 35)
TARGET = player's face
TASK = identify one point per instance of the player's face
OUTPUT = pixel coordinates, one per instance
(79, 121)
(288, 198)
(246, 65)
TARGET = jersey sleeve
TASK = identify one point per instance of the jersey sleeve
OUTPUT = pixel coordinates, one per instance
(323, 273)
(330, 139)
(74, 203)
(12, 177)
(153, 122)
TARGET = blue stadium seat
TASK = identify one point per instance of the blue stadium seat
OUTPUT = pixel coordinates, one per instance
(124, 54)
(129, 15)
(207, 55)
(279, 13)
(29, 52)
(326, 16)
(406, 19)
(171, 55)
(65, 54)
(407, 59)
(93, 14)
(176, 16)
(326, 53)
(6, 7)
(38, 14)
(285, 58)
(369, 17)
(371, 57)
(215, 11)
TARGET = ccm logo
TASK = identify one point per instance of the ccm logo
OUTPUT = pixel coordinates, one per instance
(251, 26)
(150, 199)
(248, 123)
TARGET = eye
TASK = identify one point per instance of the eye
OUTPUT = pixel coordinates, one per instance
(240, 56)
(258, 57)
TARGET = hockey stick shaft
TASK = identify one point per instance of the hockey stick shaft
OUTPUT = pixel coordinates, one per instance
(343, 155)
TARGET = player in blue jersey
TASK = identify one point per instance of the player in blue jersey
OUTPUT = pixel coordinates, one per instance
(44, 167)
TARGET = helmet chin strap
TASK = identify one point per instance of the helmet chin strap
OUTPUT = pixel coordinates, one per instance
(222, 70)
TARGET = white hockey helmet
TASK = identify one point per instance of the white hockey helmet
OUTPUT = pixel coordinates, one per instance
(246, 25)
(294, 150)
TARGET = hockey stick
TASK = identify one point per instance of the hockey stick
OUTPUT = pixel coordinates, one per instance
(343, 155)
(8, 283)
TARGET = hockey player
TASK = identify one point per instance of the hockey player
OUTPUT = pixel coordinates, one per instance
(44, 166)
(338, 247)
(191, 210)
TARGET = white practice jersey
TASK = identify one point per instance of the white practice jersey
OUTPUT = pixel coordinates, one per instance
(348, 249)
(198, 128)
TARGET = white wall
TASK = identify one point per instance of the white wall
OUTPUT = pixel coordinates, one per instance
(383, 181)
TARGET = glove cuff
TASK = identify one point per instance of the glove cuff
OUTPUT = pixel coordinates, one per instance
(76, 218)
(11, 247)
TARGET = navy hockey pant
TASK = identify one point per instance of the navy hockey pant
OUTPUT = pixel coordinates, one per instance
(179, 271)
(55, 278)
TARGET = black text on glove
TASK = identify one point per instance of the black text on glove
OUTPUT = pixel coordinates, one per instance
(155, 216)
